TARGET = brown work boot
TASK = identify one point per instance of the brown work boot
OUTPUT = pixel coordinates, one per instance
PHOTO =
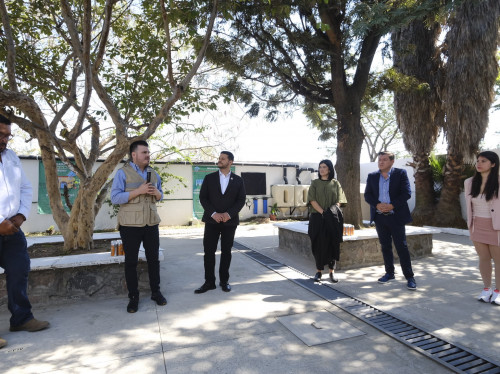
(32, 325)
(3, 343)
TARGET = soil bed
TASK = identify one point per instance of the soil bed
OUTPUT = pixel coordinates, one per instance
(57, 249)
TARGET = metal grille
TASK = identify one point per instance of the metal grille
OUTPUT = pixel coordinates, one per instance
(451, 355)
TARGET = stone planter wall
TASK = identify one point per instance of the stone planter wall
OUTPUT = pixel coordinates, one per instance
(56, 280)
(361, 250)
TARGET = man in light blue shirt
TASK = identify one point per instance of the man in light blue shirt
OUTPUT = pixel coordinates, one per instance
(137, 189)
(387, 191)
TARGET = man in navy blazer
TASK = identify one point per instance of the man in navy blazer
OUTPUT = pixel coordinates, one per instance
(222, 196)
(387, 191)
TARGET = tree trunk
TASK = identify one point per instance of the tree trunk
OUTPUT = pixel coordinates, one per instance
(80, 228)
(448, 212)
(349, 144)
(425, 198)
(52, 181)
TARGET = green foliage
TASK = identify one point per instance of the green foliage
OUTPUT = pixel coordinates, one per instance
(400, 82)
(280, 54)
(274, 209)
(438, 163)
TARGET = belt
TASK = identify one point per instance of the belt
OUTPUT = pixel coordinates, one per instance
(386, 214)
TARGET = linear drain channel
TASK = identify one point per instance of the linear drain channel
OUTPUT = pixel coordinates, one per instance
(453, 356)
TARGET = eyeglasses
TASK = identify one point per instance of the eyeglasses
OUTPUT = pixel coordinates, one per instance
(6, 137)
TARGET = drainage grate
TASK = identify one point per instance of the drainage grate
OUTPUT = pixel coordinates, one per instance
(451, 355)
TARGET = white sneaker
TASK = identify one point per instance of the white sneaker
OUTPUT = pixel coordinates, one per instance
(485, 295)
(495, 298)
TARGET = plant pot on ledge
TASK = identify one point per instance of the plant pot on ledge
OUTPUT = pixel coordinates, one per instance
(273, 213)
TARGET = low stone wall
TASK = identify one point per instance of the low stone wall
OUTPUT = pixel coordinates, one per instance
(362, 249)
(57, 280)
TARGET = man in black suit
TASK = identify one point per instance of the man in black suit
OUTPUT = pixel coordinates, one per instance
(222, 196)
(387, 191)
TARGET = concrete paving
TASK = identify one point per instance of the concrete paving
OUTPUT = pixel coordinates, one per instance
(239, 332)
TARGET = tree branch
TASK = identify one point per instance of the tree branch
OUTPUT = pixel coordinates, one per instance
(83, 52)
(108, 12)
(166, 26)
(201, 54)
(11, 50)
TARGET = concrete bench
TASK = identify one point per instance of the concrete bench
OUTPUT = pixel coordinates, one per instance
(360, 250)
(63, 278)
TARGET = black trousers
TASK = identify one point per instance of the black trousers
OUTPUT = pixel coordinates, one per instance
(132, 237)
(389, 230)
(210, 240)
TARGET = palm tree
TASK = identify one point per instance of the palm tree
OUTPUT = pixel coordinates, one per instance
(418, 106)
(471, 70)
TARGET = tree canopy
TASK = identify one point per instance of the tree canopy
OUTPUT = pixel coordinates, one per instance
(316, 54)
(106, 71)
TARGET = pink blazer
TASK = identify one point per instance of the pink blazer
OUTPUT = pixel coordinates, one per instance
(494, 205)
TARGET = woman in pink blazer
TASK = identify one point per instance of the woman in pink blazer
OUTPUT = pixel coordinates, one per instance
(483, 220)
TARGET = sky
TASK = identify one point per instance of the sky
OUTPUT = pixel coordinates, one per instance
(293, 140)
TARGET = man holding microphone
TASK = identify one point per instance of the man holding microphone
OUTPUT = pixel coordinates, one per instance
(137, 188)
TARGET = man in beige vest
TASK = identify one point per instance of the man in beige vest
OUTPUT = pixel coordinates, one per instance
(137, 188)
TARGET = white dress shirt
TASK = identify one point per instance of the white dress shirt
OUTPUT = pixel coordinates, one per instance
(15, 188)
(224, 181)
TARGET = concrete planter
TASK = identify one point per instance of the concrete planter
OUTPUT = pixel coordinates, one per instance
(362, 249)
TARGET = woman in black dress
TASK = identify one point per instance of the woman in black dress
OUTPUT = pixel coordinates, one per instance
(326, 222)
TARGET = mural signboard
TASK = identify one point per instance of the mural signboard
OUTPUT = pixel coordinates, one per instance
(66, 178)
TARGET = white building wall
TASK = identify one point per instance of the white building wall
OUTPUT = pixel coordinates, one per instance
(177, 206)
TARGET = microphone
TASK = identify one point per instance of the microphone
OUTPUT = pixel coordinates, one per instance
(148, 177)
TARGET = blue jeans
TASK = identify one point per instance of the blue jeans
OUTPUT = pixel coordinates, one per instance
(16, 263)
(389, 230)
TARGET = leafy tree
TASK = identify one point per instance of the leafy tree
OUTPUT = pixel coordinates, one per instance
(378, 122)
(316, 54)
(380, 127)
(106, 71)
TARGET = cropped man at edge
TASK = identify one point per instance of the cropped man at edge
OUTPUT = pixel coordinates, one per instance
(15, 205)
(388, 191)
(222, 196)
(137, 188)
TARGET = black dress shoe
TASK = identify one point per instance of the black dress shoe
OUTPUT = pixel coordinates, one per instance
(133, 304)
(226, 287)
(205, 287)
(317, 277)
(159, 298)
